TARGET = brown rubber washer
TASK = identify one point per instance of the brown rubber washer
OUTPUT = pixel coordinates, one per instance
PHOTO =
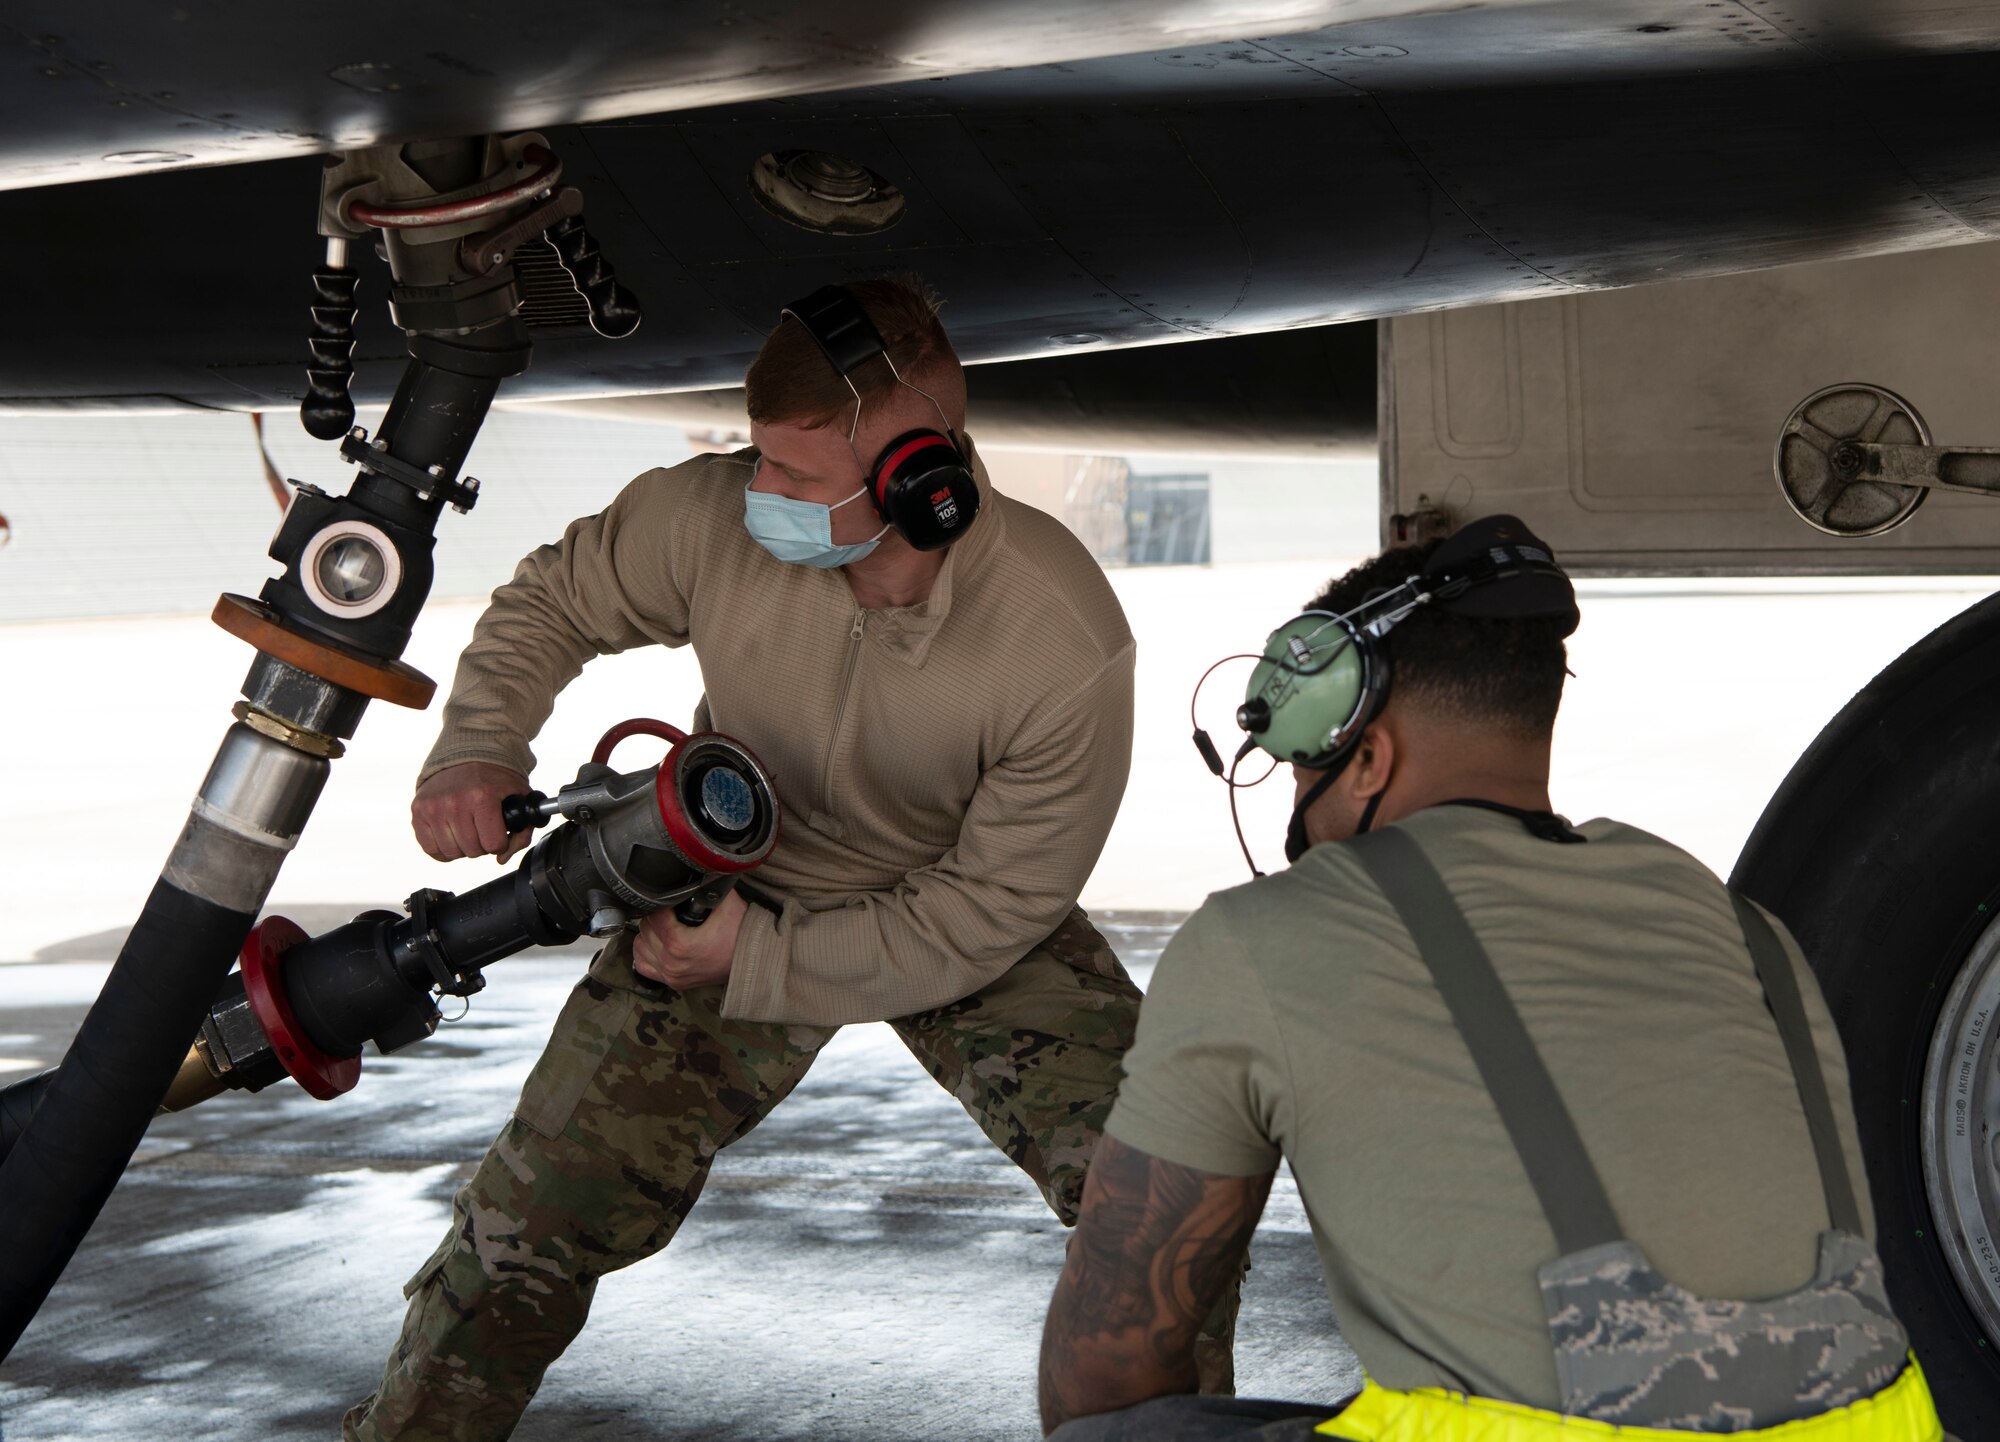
(391, 681)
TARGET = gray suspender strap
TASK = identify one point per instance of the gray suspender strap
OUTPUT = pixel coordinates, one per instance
(1781, 989)
(1531, 1109)
(1539, 1124)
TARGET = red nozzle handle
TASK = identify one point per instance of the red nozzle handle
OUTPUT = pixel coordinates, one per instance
(637, 726)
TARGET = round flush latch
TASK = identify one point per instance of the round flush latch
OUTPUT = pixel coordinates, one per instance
(1820, 465)
(820, 191)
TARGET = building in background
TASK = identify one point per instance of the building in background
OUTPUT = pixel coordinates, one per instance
(1166, 519)
(122, 515)
(1182, 510)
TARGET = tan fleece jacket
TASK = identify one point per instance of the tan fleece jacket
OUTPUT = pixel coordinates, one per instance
(947, 771)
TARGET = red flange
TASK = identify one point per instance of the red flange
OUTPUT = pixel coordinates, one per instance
(323, 1076)
(673, 814)
(665, 790)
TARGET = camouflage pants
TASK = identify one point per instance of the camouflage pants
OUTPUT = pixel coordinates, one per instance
(641, 1086)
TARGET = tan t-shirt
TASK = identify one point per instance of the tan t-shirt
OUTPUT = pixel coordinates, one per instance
(1294, 1016)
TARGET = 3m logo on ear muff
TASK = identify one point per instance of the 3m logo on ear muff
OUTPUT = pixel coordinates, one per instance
(923, 487)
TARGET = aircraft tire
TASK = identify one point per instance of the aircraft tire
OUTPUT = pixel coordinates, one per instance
(1878, 852)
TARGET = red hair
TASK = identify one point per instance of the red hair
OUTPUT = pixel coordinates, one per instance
(791, 383)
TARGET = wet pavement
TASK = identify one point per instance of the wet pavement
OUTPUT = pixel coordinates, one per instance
(863, 1266)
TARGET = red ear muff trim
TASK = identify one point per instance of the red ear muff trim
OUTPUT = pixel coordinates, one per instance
(923, 486)
(892, 460)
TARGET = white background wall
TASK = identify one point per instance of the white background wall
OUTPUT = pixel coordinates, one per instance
(1281, 510)
(134, 515)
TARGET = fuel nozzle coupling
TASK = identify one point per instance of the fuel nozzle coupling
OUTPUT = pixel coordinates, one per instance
(632, 843)
(643, 840)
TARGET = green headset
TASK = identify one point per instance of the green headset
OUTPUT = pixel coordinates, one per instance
(1322, 677)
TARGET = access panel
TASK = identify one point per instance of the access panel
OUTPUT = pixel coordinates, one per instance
(1637, 429)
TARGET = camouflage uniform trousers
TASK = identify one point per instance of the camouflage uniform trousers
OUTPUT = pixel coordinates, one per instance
(639, 1088)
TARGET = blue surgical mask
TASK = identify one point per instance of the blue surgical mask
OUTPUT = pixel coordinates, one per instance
(801, 532)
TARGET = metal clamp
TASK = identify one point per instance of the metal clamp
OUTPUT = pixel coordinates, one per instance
(427, 942)
(484, 254)
(311, 742)
(498, 195)
(357, 449)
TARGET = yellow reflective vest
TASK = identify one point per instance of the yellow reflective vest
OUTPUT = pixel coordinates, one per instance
(1900, 1412)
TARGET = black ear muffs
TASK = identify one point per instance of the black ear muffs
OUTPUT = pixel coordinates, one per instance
(924, 489)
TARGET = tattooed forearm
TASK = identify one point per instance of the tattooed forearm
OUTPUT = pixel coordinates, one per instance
(1154, 1252)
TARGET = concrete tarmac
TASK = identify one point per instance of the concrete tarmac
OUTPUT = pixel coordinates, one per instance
(863, 1266)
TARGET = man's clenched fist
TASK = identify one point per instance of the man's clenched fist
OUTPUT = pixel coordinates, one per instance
(684, 957)
(457, 812)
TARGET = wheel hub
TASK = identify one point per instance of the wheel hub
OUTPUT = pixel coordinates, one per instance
(1961, 1129)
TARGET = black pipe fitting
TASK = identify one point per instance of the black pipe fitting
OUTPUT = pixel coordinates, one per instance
(371, 980)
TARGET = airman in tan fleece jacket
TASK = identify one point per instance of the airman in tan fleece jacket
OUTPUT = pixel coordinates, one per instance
(948, 771)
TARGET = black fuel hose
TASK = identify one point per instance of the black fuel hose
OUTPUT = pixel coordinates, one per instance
(260, 791)
(18, 1101)
(58, 1174)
